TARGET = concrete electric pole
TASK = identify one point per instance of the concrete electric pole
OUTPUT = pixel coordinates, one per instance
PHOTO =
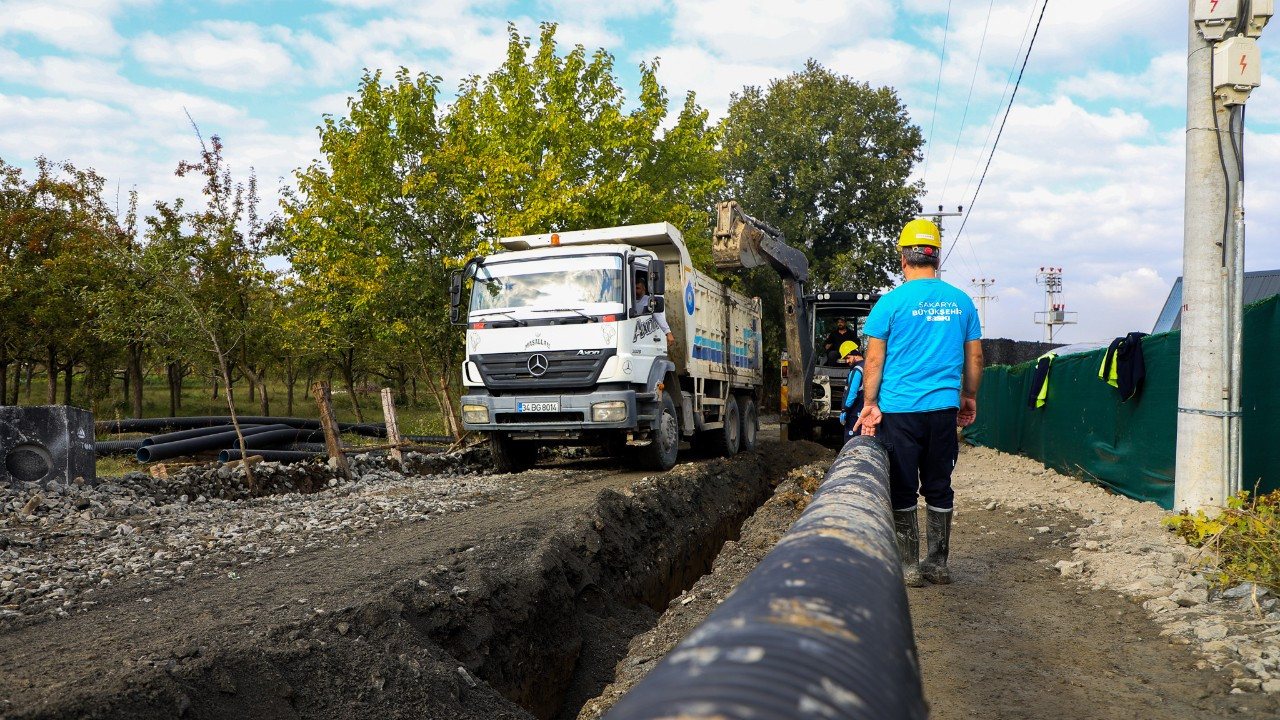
(1055, 309)
(1223, 65)
(937, 220)
(982, 297)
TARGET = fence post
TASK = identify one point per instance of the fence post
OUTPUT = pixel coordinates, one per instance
(329, 423)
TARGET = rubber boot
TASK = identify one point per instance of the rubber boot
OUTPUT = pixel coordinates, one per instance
(906, 528)
(938, 531)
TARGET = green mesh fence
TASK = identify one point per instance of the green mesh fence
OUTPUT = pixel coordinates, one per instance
(1085, 430)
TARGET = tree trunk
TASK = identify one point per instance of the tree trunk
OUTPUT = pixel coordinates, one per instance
(171, 372)
(134, 374)
(51, 370)
(31, 370)
(266, 400)
(290, 376)
(414, 381)
(4, 381)
(66, 382)
(348, 377)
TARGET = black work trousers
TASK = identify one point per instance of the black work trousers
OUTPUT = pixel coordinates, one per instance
(922, 453)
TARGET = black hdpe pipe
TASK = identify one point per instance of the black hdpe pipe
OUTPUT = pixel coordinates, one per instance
(281, 456)
(195, 432)
(116, 447)
(187, 423)
(189, 446)
(821, 623)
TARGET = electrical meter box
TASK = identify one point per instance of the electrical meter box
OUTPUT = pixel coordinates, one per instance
(1260, 12)
(1216, 17)
(1237, 68)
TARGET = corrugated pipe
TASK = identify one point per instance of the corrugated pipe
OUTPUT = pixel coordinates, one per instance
(188, 446)
(281, 456)
(820, 629)
(196, 432)
(116, 447)
(187, 423)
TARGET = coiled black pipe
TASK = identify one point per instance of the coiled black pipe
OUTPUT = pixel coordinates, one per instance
(195, 432)
(820, 629)
(281, 456)
(162, 451)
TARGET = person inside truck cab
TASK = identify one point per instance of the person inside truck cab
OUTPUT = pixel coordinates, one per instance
(642, 306)
(835, 339)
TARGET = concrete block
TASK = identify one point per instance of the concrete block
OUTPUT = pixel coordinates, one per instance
(44, 444)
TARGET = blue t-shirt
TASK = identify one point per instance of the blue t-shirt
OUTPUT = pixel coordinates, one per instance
(925, 324)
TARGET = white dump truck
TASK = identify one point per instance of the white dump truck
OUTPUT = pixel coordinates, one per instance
(562, 348)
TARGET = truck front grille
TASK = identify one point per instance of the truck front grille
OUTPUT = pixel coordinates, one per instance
(536, 418)
(563, 369)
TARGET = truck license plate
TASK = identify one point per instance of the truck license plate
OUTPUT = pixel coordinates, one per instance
(535, 407)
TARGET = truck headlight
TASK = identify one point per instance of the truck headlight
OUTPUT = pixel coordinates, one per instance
(615, 411)
(475, 414)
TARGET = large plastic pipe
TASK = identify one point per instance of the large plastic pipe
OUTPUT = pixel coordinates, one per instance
(283, 456)
(186, 423)
(820, 629)
(189, 446)
(116, 447)
(195, 432)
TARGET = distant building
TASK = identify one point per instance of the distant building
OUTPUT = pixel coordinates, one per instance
(1258, 285)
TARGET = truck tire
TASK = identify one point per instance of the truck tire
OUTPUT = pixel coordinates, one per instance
(750, 424)
(726, 439)
(661, 453)
(511, 456)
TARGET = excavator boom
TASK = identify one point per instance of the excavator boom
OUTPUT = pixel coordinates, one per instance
(741, 241)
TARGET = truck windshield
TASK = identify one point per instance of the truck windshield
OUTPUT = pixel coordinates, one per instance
(582, 281)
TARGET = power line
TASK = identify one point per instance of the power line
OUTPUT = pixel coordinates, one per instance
(1026, 31)
(965, 115)
(1001, 132)
(937, 90)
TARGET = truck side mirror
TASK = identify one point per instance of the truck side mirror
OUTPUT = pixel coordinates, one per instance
(455, 296)
(657, 278)
(658, 303)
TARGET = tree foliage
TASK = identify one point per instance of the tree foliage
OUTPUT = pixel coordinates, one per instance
(826, 159)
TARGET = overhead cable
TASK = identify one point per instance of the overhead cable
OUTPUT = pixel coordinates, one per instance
(1009, 107)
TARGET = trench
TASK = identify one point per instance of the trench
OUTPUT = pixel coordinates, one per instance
(527, 622)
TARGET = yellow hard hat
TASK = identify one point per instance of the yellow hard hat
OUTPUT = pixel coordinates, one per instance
(847, 347)
(920, 232)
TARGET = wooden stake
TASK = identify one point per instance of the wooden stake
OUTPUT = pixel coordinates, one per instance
(393, 425)
(329, 422)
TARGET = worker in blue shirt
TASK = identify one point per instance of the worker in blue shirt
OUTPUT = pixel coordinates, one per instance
(852, 406)
(922, 371)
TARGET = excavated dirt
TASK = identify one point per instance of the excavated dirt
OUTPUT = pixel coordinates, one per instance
(518, 607)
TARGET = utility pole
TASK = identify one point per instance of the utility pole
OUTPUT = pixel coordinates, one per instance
(1222, 55)
(937, 220)
(1055, 310)
(982, 299)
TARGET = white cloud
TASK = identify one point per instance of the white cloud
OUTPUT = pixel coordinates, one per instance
(766, 32)
(226, 55)
(81, 26)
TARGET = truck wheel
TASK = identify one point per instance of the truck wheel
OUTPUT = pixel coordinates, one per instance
(661, 453)
(511, 456)
(750, 424)
(725, 440)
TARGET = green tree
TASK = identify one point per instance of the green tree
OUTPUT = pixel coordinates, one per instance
(548, 144)
(826, 159)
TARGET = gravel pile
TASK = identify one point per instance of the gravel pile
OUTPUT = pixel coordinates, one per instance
(61, 543)
(1123, 547)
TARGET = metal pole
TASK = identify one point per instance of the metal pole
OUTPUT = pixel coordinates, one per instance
(820, 629)
(1202, 386)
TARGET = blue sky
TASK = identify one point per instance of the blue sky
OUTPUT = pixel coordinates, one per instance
(1088, 174)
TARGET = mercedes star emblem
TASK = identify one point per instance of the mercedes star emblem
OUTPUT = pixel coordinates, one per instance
(538, 364)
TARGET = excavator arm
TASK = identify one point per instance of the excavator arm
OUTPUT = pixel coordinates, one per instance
(742, 241)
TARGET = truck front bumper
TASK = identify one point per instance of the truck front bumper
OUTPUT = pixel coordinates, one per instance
(505, 412)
